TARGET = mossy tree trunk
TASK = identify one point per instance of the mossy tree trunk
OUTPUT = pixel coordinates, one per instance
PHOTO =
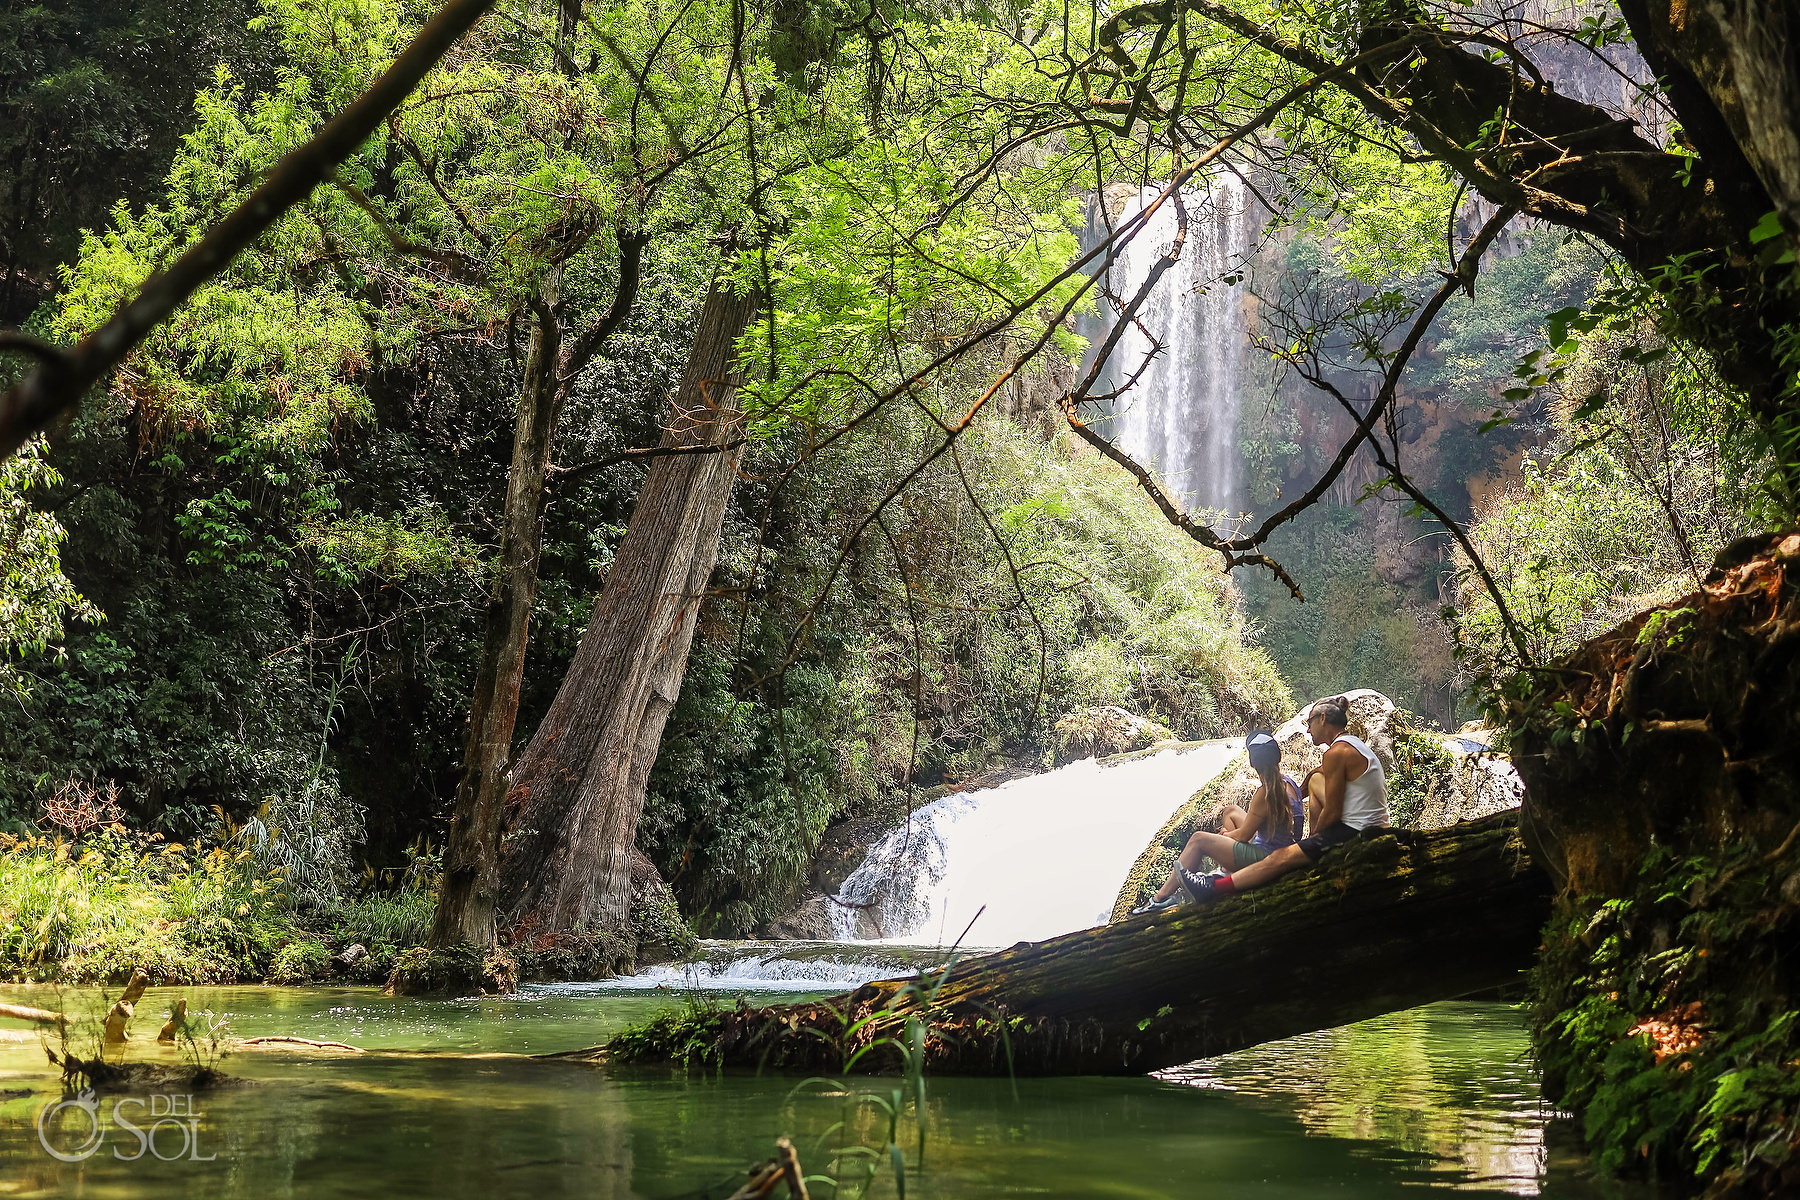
(1395, 920)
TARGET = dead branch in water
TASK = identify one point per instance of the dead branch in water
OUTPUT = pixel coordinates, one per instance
(277, 1039)
(37, 1016)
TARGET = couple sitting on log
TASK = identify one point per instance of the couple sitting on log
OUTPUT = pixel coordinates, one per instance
(1346, 793)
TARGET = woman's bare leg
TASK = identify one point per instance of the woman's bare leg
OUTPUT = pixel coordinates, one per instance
(1215, 846)
(1232, 819)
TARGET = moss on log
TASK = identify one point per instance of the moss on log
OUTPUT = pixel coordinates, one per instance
(1396, 919)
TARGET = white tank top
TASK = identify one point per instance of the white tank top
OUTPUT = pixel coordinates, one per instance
(1365, 797)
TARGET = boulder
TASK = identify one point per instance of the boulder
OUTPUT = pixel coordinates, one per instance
(1100, 731)
(807, 921)
(1478, 782)
(844, 845)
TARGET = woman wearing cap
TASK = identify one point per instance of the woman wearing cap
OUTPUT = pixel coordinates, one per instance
(1249, 835)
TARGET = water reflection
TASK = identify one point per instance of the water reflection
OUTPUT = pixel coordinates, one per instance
(1439, 1098)
(1448, 1081)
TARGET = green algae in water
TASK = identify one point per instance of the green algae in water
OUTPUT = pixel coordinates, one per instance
(1437, 1098)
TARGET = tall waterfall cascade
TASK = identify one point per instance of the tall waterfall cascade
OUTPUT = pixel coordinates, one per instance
(1025, 861)
(1180, 416)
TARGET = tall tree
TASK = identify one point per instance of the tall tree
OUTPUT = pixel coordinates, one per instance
(857, 234)
(578, 788)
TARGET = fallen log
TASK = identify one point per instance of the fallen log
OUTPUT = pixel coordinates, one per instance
(1396, 919)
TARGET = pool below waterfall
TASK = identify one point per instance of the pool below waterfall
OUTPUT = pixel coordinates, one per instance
(444, 1104)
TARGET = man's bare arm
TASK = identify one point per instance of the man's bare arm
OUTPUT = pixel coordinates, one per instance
(1335, 770)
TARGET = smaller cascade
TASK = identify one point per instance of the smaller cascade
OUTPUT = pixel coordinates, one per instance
(724, 966)
(1036, 857)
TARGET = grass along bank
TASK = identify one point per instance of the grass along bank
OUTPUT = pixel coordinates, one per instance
(91, 909)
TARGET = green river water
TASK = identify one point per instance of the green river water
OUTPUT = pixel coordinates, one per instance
(1441, 1097)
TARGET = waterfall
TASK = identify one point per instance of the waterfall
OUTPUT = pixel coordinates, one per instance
(1180, 419)
(1045, 855)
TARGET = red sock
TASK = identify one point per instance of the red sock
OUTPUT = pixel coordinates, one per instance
(1223, 885)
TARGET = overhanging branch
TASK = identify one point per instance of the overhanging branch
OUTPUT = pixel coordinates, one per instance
(57, 384)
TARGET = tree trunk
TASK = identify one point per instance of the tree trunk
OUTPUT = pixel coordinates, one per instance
(465, 910)
(578, 788)
(1397, 919)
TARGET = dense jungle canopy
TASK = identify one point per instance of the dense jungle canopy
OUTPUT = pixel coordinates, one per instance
(671, 431)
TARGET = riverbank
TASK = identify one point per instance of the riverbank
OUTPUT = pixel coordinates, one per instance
(94, 910)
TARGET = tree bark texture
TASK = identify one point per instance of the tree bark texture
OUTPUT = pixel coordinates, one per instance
(578, 788)
(1396, 919)
(465, 910)
(554, 362)
(1732, 68)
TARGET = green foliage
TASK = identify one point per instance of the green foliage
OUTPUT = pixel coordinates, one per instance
(35, 596)
(394, 921)
(1422, 770)
(94, 97)
(299, 961)
(1649, 1021)
(687, 1036)
(95, 910)
(418, 543)
(1649, 474)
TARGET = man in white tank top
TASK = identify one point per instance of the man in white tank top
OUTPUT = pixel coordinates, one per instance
(1347, 794)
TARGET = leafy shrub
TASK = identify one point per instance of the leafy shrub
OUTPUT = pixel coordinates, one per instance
(94, 910)
(302, 961)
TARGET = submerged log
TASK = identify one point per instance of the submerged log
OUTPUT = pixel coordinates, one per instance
(37, 1016)
(1396, 919)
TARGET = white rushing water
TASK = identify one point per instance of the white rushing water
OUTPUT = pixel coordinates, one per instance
(1044, 855)
(1181, 416)
(752, 966)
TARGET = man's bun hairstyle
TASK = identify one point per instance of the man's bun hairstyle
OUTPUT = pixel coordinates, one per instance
(1335, 709)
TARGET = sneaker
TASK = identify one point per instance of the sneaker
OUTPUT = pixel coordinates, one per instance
(1198, 886)
(1156, 906)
